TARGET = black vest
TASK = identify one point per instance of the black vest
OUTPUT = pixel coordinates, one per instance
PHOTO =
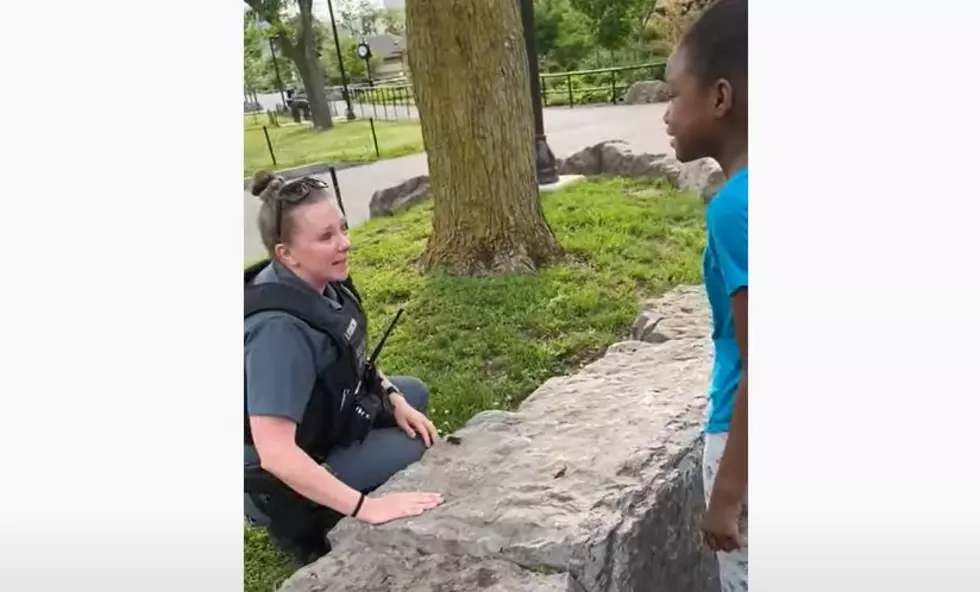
(326, 419)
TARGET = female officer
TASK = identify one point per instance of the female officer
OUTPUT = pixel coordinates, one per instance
(314, 447)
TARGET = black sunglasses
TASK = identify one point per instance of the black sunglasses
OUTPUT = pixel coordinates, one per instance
(295, 192)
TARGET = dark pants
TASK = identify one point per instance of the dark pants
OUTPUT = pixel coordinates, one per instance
(363, 466)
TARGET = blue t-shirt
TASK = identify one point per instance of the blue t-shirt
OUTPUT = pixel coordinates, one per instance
(726, 270)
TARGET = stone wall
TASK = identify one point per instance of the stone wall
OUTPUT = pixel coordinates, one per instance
(593, 484)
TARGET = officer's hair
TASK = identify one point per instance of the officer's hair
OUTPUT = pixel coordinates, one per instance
(267, 187)
(717, 44)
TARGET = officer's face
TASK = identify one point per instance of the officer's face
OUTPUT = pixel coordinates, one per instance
(319, 243)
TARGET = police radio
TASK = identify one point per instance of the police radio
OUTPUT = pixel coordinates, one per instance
(368, 399)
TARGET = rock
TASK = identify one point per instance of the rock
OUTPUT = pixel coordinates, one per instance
(703, 176)
(584, 162)
(678, 314)
(401, 569)
(592, 484)
(386, 202)
(615, 157)
(647, 91)
(619, 159)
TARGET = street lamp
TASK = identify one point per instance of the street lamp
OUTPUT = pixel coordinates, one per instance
(364, 52)
(545, 159)
(264, 26)
(275, 66)
(340, 62)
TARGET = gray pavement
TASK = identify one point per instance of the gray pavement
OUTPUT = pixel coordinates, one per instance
(568, 131)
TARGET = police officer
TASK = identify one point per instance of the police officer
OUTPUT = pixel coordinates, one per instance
(314, 447)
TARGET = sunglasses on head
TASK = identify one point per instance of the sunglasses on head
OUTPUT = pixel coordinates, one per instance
(294, 192)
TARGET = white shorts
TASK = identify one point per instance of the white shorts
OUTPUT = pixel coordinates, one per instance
(733, 567)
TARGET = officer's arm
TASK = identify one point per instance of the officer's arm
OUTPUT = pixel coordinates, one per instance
(280, 371)
(275, 442)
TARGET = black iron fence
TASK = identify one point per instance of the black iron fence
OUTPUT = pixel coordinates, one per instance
(385, 102)
(592, 87)
(582, 87)
(392, 102)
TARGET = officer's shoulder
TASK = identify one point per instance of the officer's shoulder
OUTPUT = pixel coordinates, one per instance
(279, 325)
(272, 324)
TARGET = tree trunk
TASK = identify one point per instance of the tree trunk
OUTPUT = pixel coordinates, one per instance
(303, 54)
(308, 64)
(469, 71)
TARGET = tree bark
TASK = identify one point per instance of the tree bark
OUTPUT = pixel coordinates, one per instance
(470, 75)
(308, 63)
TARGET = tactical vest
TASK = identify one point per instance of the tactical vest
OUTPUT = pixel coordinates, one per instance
(326, 419)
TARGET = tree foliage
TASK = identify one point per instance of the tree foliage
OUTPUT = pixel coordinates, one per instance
(359, 18)
(670, 19)
(612, 21)
(392, 20)
(353, 64)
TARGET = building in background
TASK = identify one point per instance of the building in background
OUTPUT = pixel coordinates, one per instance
(388, 55)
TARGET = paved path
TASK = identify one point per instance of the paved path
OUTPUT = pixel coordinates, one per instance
(568, 131)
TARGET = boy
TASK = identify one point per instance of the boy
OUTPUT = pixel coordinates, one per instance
(707, 116)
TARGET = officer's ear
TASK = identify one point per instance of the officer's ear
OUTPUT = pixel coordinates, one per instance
(285, 256)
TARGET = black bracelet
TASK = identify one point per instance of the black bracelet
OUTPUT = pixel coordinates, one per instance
(357, 508)
(391, 389)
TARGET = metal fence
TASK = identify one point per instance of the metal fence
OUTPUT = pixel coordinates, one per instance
(592, 87)
(386, 102)
(395, 102)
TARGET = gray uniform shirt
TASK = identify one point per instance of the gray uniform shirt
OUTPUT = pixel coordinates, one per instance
(283, 357)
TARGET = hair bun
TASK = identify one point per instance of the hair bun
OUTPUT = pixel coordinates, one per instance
(266, 185)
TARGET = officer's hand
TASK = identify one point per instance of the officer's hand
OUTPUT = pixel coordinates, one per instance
(413, 422)
(378, 510)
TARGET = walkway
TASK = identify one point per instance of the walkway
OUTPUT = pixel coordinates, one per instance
(568, 130)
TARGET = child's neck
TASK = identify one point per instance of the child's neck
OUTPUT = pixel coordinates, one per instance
(733, 156)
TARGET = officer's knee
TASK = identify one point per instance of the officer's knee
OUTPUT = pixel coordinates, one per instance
(413, 450)
(414, 390)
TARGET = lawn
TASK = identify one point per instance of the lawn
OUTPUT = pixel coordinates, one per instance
(347, 142)
(488, 343)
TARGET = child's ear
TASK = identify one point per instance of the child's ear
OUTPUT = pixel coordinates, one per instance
(723, 98)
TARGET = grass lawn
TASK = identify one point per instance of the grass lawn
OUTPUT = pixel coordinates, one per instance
(488, 343)
(298, 144)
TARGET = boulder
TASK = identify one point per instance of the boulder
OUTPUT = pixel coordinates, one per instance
(647, 91)
(615, 157)
(593, 484)
(703, 176)
(407, 569)
(386, 202)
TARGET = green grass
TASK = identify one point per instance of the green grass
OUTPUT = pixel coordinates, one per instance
(347, 142)
(488, 343)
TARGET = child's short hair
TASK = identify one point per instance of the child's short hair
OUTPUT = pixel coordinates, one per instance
(717, 44)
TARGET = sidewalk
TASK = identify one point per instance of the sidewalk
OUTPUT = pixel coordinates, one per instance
(568, 131)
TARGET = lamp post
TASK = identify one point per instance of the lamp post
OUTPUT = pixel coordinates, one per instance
(544, 158)
(364, 52)
(264, 26)
(275, 66)
(340, 62)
